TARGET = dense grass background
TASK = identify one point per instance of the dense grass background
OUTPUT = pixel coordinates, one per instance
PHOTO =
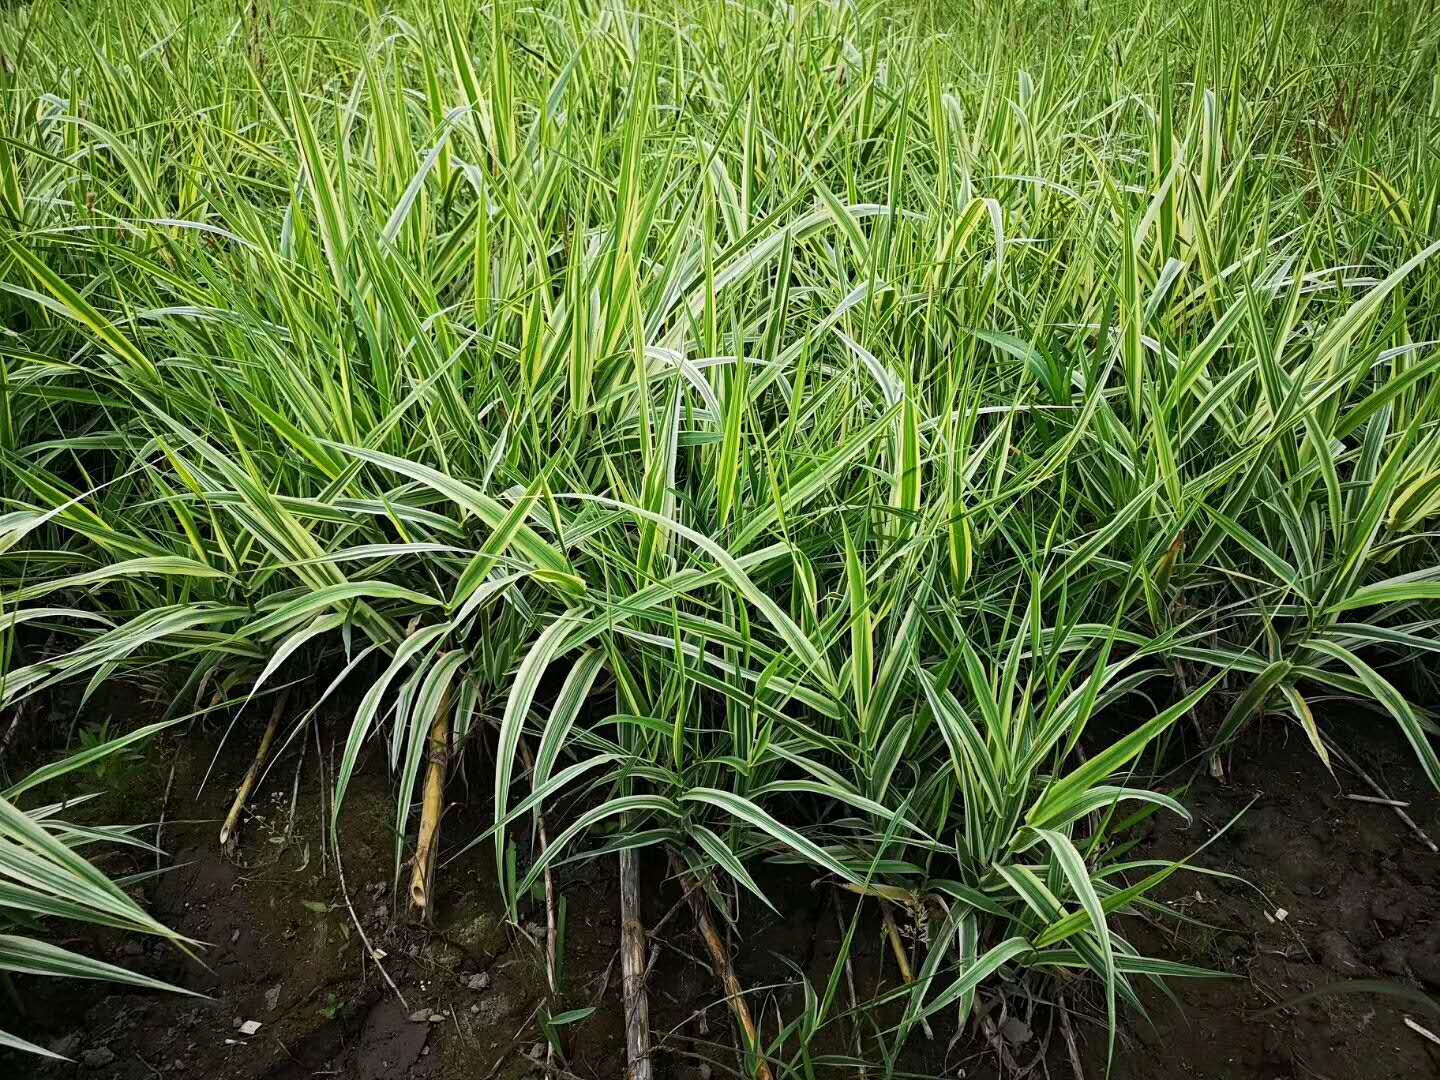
(791, 423)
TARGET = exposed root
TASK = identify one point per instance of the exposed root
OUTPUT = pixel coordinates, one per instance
(632, 968)
(230, 831)
(724, 971)
(422, 872)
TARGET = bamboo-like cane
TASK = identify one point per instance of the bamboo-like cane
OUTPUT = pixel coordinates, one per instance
(896, 945)
(902, 958)
(230, 831)
(422, 873)
(724, 970)
(632, 970)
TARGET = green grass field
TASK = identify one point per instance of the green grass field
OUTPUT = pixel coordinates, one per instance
(745, 431)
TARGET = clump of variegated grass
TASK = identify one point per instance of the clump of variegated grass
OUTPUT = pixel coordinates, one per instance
(832, 414)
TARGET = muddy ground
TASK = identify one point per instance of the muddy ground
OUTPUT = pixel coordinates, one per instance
(1337, 891)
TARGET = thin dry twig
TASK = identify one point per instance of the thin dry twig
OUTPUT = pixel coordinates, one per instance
(1072, 1045)
(655, 930)
(552, 965)
(1377, 800)
(1420, 833)
(229, 832)
(849, 976)
(1008, 1064)
(551, 961)
(165, 803)
(724, 970)
(370, 949)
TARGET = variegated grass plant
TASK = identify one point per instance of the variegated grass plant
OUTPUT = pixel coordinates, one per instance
(759, 431)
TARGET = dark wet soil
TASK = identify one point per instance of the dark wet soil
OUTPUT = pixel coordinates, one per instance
(1336, 891)
(1343, 897)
